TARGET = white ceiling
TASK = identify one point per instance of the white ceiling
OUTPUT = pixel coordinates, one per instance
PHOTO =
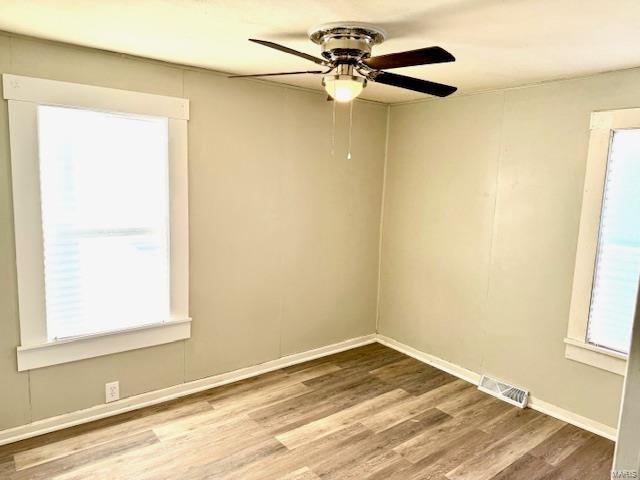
(497, 43)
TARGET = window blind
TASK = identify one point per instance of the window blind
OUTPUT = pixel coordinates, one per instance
(615, 283)
(105, 220)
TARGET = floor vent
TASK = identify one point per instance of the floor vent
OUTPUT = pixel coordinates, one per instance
(513, 395)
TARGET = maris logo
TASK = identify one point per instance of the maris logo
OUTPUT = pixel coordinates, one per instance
(624, 474)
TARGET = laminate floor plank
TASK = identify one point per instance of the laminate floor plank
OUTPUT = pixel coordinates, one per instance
(7, 468)
(513, 419)
(354, 354)
(306, 408)
(52, 451)
(430, 441)
(399, 369)
(374, 453)
(561, 444)
(445, 457)
(592, 460)
(425, 382)
(283, 462)
(247, 385)
(413, 406)
(378, 360)
(260, 399)
(336, 421)
(303, 473)
(527, 466)
(174, 457)
(345, 378)
(45, 471)
(8, 451)
(369, 413)
(464, 399)
(488, 463)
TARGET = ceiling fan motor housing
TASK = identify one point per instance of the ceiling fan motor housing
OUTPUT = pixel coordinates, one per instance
(346, 42)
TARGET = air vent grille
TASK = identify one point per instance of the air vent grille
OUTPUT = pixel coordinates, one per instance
(513, 395)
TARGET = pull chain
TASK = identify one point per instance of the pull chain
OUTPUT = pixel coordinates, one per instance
(350, 128)
(333, 130)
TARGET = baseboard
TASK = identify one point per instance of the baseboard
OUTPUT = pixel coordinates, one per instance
(453, 369)
(573, 418)
(473, 377)
(71, 419)
(155, 397)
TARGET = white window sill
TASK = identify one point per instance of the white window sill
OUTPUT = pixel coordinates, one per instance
(603, 358)
(79, 348)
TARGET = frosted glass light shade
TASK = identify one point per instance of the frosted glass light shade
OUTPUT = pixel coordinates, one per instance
(343, 88)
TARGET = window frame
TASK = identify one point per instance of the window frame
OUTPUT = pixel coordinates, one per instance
(24, 95)
(602, 126)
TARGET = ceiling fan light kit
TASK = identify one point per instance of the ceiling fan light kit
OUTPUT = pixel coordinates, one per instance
(346, 55)
(344, 86)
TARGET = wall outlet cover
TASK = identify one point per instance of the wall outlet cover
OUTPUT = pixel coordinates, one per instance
(112, 391)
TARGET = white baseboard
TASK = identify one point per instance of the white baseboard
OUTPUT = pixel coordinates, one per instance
(67, 420)
(453, 369)
(534, 402)
(573, 418)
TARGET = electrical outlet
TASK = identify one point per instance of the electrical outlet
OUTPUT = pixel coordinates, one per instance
(112, 391)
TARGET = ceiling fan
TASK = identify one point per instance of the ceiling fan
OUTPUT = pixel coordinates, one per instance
(346, 56)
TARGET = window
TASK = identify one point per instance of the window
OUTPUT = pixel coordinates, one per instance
(607, 267)
(104, 201)
(615, 283)
(100, 201)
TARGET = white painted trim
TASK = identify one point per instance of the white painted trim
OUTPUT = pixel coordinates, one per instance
(613, 119)
(89, 346)
(473, 377)
(67, 420)
(53, 92)
(25, 172)
(179, 218)
(599, 357)
(587, 247)
(602, 126)
(573, 418)
(24, 94)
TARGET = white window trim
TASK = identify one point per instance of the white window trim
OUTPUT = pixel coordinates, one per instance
(24, 94)
(577, 348)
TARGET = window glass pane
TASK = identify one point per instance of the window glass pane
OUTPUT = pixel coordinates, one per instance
(105, 218)
(618, 259)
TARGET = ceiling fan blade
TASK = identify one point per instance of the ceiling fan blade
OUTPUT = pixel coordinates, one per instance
(422, 56)
(415, 84)
(274, 74)
(282, 48)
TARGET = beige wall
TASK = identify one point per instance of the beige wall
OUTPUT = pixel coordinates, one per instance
(480, 225)
(482, 204)
(284, 236)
